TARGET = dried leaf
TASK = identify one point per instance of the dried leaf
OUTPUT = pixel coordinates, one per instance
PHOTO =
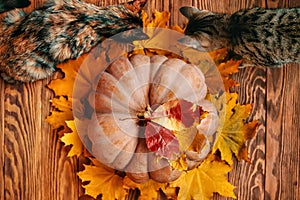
(148, 189)
(226, 69)
(73, 139)
(180, 164)
(62, 113)
(62, 104)
(161, 140)
(157, 30)
(218, 55)
(197, 143)
(64, 87)
(186, 137)
(202, 182)
(177, 28)
(233, 133)
(159, 19)
(177, 114)
(102, 180)
(212, 65)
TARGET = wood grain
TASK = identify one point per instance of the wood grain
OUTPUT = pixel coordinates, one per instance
(2, 180)
(283, 139)
(34, 163)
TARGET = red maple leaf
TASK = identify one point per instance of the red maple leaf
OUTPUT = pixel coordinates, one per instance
(185, 112)
(159, 133)
(161, 140)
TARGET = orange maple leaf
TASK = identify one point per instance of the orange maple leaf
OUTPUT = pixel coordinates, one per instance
(216, 71)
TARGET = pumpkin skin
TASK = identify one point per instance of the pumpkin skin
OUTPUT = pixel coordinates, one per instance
(125, 90)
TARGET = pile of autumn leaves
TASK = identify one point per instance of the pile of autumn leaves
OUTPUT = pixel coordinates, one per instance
(200, 183)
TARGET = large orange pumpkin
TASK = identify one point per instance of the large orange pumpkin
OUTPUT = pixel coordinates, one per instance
(131, 91)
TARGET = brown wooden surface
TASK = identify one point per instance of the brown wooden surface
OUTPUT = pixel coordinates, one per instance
(33, 164)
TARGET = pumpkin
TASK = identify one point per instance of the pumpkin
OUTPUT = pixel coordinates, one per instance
(129, 98)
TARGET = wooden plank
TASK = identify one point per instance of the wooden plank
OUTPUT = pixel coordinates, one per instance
(248, 178)
(2, 139)
(283, 127)
(59, 171)
(22, 122)
(36, 165)
(283, 138)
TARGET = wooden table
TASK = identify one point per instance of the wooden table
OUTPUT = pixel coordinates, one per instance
(34, 164)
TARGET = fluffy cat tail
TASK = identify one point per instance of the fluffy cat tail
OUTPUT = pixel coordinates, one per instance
(11, 18)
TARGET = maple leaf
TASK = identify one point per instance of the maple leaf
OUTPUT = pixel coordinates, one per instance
(161, 140)
(218, 55)
(148, 189)
(64, 86)
(185, 137)
(175, 118)
(158, 30)
(159, 19)
(180, 164)
(212, 65)
(177, 114)
(62, 113)
(202, 182)
(73, 139)
(62, 104)
(226, 69)
(233, 132)
(197, 143)
(102, 180)
(177, 28)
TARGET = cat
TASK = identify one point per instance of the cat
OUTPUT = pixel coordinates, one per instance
(262, 37)
(6, 5)
(31, 45)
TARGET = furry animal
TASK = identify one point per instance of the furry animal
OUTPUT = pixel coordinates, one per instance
(31, 45)
(265, 37)
(6, 5)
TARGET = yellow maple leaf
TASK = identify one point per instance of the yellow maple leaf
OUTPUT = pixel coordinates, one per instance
(148, 190)
(160, 19)
(233, 132)
(161, 38)
(64, 86)
(102, 180)
(62, 104)
(73, 139)
(170, 192)
(202, 182)
(62, 113)
(180, 164)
